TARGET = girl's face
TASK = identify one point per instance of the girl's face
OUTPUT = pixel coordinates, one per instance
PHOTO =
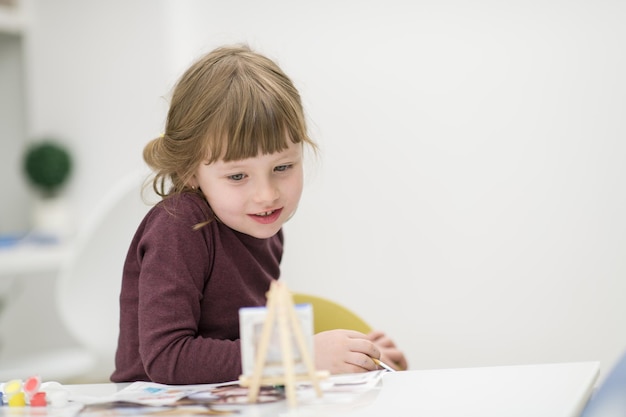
(255, 196)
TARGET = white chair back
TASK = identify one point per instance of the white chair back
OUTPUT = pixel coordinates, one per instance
(90, 280)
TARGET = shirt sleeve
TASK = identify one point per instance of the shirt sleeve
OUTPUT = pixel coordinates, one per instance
(175, 262)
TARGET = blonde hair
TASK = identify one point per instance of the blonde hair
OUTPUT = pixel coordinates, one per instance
(231, 104)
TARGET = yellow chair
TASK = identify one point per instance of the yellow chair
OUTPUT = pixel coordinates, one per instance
(328, 315)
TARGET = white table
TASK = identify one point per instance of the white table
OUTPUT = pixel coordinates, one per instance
(543, 390)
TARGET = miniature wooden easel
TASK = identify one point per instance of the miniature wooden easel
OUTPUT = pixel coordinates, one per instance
(280, 309)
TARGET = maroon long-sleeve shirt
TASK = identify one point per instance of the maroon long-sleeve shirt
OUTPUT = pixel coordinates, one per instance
(181, 294)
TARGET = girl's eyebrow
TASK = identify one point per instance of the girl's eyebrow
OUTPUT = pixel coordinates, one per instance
(241, 164)
(232, 165)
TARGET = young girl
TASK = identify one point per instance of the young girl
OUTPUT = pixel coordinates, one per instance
(229, 169)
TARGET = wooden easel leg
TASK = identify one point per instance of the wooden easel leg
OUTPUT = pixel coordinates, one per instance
(261, 356)
(304, 353)
(286, 347)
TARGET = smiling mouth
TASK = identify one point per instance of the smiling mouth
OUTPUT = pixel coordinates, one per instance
(265, 213)
(267, 217)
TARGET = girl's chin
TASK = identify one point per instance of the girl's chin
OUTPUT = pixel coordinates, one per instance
(260, 231)
(265, 234)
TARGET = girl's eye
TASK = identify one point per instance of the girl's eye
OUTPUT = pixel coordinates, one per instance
(282, 168)
(236, 177)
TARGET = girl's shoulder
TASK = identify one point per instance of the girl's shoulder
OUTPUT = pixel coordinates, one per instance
(186, 208)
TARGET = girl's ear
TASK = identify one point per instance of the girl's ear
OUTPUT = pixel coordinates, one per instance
(193, 182)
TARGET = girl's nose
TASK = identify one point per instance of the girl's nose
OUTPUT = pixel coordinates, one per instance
(266, 191)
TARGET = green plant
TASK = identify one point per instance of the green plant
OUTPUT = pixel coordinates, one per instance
(47, 165)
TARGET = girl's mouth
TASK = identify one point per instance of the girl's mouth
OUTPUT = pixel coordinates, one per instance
(267, 217)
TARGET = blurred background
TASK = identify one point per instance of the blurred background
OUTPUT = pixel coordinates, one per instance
(469, 195)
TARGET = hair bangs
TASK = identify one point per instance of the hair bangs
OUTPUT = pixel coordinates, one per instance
(257, 117)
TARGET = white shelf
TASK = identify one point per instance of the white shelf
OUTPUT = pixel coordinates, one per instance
(28, 259)
(12, 20)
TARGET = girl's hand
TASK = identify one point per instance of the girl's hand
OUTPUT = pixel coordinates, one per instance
(390, 354)
(345, 351)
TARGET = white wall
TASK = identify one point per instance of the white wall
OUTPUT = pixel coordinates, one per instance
(99, 73)
(469, 198)
(12, 125)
